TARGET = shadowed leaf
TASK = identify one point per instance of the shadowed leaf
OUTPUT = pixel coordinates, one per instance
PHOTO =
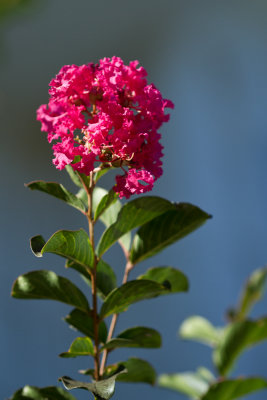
(34, 393)
(83, 322)
(133, 214)
(166, 229)
(106, 201)
(131, 292)
(138, 370)
(135, 337)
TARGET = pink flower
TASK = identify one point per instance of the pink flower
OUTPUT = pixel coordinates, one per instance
(107, 114)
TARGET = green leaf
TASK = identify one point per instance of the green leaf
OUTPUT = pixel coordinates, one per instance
(237, 338)
(109, 216)
(138, 370)
(74, 176)
(166, 229)
(34, 393)
(83, 322)
(73, 245)
(131, 292)
(169, 277)
(101, 173)
(200, 329)
(102, 390)
(231, 389)
(105, 277)
(192, 384)
(106, 201)
(253, 291)
(58, 191)
(133, 214)
(135, 337)
(49, 286)
(81, 346)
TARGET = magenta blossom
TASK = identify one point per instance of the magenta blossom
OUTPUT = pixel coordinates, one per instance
(106, 115)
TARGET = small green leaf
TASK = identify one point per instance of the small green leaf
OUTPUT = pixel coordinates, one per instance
(135, 337)
(253, 291)
(81, 346)
(237, 338)
(49, 286)
(105, 277)
(83, 322)
(58, 191)
(200, 329)
(138, 370)
(106, 201)
(109, 216)
(133, 214)
(74, 176)
(231, 389)
(73, 245)
(34, 393)
(169, 277)
(166, 229)
(101, 173)
(131, 292)
(192, 384)
(102, 390)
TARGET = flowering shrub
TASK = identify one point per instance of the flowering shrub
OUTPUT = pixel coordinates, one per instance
(107, 114)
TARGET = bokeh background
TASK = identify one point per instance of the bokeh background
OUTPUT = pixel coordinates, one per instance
(210, 59)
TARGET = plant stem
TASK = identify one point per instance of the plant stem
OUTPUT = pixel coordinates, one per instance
(114, 319)
(92, 271)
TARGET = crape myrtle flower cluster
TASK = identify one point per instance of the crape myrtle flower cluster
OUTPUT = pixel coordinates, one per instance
(106, 115)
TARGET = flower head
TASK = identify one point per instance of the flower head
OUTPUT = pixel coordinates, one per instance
(106, 114)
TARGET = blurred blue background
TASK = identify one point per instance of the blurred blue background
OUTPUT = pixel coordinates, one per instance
(210, 59)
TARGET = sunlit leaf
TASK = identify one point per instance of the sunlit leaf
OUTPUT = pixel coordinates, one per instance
(238, 337)
(34, 393)
(73, 245)
(81, 346)
(48, 286)
(106, 201)
(170, 277)
(58, 191)
(200, 329)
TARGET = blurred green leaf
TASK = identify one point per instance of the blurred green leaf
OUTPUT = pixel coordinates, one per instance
(238, 337)
(253, 291)
(133, 214)
(231, 389)
(135, 337)
(138, 370)
(101, 173)
(76, 177)
(105, 277)
(11, 6)
(34, 393)
(192, 384)
(106, 201)
(169, 277)
(166, 229)
(81, 346)
(109, 216)
(58, 191)
(48, 286)
(200, 329)
(131, 292)
(83, 322)
(73, 245)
